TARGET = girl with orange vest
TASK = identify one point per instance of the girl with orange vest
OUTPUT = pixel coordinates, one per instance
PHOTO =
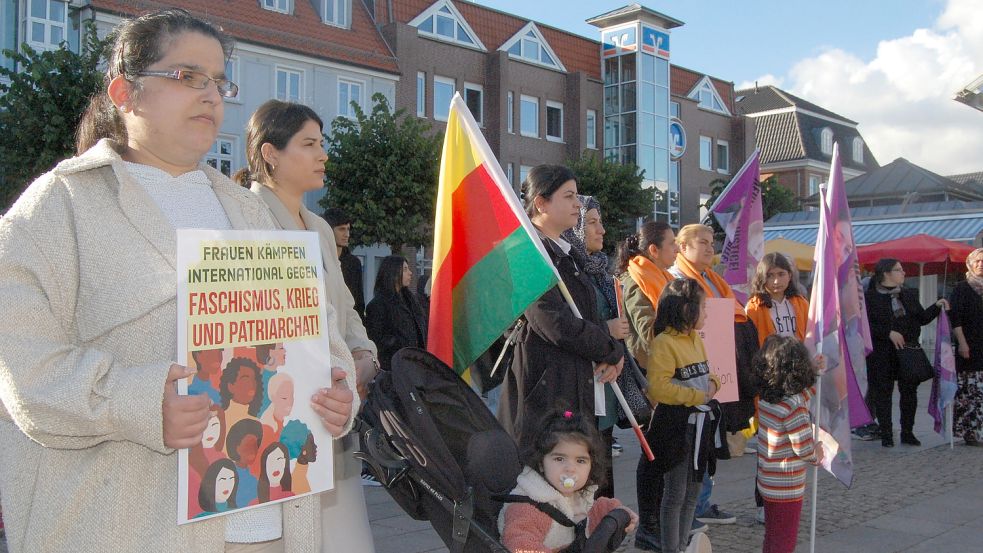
(776, 305)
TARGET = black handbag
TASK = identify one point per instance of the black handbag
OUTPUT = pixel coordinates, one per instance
(634, 386)
(913, 365)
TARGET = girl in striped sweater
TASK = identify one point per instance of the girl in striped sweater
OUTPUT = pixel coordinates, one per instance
(785, 437)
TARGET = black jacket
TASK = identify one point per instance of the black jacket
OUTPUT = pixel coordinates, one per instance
(967, 312)
(351, 271)
(395, 321)
(883, 361)
(555, 352)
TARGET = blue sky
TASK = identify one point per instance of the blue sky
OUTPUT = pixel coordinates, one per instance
(892, 65)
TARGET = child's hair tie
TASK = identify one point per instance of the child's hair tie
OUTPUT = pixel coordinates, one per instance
(568, 414)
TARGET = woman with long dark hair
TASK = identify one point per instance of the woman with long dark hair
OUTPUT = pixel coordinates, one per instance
(896, 318)
(556, 352)
(394, 317)
(87, 256)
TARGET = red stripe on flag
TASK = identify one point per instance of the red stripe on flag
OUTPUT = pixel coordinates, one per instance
(480, 219)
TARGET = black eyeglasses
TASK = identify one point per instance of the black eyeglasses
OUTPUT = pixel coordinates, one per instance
(195, 79)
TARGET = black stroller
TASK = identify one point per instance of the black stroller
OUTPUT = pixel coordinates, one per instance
(439, 452)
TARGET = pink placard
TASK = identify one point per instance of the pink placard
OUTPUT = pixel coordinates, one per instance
(718, 339)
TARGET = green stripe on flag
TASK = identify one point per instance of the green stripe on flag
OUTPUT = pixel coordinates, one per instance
(495, 291)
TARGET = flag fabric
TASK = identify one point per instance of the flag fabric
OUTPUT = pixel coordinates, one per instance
(837, 327)
(944, 384)
(738, 210)
(488, 262)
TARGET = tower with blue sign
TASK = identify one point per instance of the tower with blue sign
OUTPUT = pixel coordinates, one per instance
(635, 51)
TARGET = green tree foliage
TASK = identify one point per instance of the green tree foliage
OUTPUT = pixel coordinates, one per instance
(40, 109)
(775, 199)
(383, 171)
(618, 188)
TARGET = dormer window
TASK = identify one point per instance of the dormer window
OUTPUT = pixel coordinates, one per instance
(442, 21)
(826, 141)
(858, 150)
(707, 97)
(530, 46)
(282, 6)
(336, 12)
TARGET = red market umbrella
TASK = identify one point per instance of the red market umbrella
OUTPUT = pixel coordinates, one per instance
(919, 254)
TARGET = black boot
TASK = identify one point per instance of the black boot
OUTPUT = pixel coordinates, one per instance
(887, 439)
(909, 438)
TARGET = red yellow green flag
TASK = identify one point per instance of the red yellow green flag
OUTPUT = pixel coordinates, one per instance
(488, 262)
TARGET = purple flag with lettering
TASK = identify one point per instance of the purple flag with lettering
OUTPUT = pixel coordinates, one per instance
(738, 210)
(837, 327)
(944, 384)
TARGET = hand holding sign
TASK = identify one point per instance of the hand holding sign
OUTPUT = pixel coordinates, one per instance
(334, 404)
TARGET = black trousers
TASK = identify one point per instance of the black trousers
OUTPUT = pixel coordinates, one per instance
(607, 490)
(649, 486)
(881, 391)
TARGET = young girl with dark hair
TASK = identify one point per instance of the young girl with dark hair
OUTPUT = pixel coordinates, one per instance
(564, 465)
(785, 436)
(681, 383)
(776, 305)
(394, 317)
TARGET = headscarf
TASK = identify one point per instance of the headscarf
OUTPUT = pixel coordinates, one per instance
(975, 282)
(594, 264)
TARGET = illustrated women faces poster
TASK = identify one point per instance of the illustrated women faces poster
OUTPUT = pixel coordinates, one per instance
(263, 442)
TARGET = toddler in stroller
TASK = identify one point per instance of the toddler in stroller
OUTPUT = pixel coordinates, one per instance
(443, 457)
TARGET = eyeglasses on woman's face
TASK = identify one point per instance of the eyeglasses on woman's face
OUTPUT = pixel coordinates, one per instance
(196, 80)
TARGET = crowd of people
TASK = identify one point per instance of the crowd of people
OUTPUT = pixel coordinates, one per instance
(87, 283)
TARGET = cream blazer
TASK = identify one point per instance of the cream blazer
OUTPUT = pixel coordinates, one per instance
(88, 331)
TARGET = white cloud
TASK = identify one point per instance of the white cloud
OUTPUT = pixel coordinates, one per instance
(764, 80)
(903, 97)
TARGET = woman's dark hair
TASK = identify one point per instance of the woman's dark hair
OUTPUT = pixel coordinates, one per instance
(679, 306)
(136, 45)
(882, 267)
(783, 368)
(206, 491)
(543, 180)
(566, 425)
(263, 490)
(389, 279)
(275, 122)
(229, 376)
(652, 233)
(239, 430)
(771, 261)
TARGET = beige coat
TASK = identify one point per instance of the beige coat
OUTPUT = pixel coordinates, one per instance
(87, 293)
(344, 518)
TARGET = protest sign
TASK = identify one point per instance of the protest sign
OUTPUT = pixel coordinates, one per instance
(251, 321)
(718, 340)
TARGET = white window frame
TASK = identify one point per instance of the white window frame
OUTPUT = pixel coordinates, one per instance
(812, 183)
(524, 172)
(29, 21)
(346, 110)
(346, 18)
(508, 173)
(232, 74)
(472, 87)
(723, 161)
(858, 150)
(215, 153)
(707, 97)
(443, 113)
(591, 141)
(435, 11)
(510, 112)
(559, 106)
(522, 131)
(522, 37)
(300, 83)
(421, 94)
(274, 5)
(826, 141)
(706, 153)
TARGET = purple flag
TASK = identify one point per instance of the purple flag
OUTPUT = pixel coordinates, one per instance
(738, 210)
(944, 384)
(837, 327)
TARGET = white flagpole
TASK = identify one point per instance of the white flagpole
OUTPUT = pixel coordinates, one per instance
(815, 469)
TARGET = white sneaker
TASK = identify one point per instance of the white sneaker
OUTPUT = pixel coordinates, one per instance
(700, 543)
(369, 480)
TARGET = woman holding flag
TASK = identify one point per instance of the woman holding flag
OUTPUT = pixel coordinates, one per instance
(557, 354)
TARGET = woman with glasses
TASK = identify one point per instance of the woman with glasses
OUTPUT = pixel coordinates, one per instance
(896, 318)
(91, 419)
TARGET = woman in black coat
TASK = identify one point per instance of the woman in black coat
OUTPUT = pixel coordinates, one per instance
(896, 317)
(394, 319)
(556, 352)
(967, 328)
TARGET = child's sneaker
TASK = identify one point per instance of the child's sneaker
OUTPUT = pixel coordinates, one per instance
(699, 543)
